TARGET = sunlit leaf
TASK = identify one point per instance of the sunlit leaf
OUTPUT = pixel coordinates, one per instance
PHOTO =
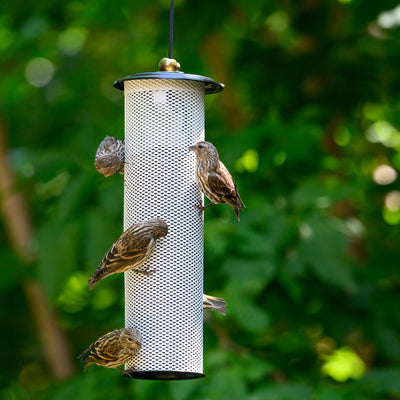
(343, 364)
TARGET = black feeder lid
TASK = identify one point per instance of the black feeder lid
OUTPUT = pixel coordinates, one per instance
(210, 85)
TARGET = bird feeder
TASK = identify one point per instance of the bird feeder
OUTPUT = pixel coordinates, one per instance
(164, 115)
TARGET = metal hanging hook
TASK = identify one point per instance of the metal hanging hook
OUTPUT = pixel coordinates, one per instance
(169, 64)
(171, 28)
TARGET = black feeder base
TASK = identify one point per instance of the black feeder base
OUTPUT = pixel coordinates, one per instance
(163, 375)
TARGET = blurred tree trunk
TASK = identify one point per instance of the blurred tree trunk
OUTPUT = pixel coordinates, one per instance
(214, 48)
(19, 229)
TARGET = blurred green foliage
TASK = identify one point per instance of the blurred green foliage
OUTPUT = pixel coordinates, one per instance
(310, 111)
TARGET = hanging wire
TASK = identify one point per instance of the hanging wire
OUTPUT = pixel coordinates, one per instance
(171, 28)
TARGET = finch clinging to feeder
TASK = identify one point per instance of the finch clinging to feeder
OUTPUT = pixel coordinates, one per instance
(110, 156)
(214, 303)
(113, 349)
(131, 249)
(214, 179)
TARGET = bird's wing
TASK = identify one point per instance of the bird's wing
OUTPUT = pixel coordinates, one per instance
(221, 182)
(234, 193)
(127, 250)
(106, 346)
(109, 349)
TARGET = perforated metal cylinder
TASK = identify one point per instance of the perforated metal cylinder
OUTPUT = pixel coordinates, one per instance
(163, 117)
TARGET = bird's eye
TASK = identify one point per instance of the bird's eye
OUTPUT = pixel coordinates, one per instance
(200, 146)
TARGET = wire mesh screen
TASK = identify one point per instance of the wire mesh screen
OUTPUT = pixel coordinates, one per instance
(163, 117)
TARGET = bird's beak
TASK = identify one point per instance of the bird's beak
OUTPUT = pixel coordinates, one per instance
(139, 341)
(192, 148)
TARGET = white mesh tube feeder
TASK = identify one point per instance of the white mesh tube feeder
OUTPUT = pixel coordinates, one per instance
(164, 115)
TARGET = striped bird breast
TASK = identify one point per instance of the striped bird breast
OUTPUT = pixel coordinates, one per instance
(202, 181)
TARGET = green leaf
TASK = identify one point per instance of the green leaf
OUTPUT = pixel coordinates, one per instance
(76, 196)
(382, 381)
(184, 390)
(227, 383)
(283, 391)
(241, 307)
(323, 246)
(248, 276)
(58, 246)
(101, 232)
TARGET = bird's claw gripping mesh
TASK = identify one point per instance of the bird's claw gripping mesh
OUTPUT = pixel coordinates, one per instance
(162, 119)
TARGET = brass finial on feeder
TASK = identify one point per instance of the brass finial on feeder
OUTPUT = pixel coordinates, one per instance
(169, 64)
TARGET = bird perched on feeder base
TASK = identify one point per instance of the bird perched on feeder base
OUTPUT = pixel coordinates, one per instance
(131, 249)
(110, 156)
(113, 349)
(214, 179)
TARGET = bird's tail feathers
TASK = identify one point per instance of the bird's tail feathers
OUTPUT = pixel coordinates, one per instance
(86, 365)
(82, 357)
(214, 303)
(236, 209)
(92, 283)
(100, 273)
(239, 202)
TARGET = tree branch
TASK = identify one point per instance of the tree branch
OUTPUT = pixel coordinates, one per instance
(19, 229)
